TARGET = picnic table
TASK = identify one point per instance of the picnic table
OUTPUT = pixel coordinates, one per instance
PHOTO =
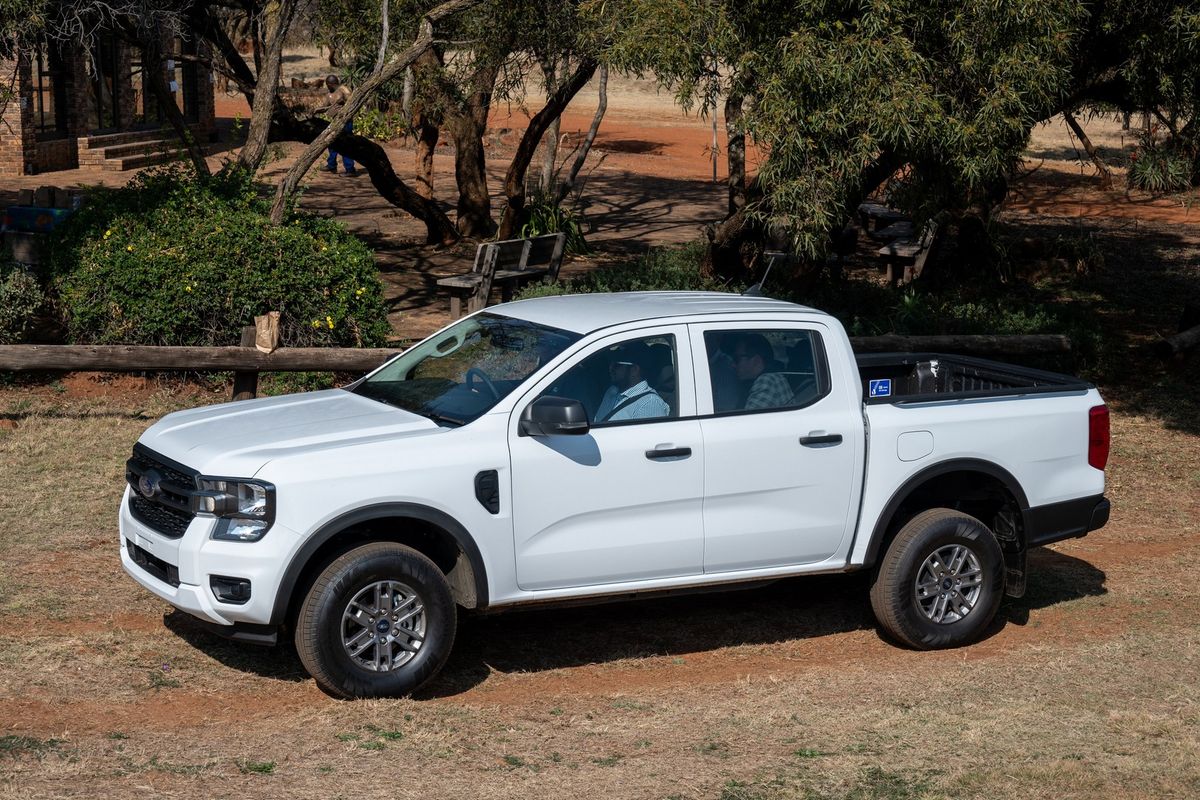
(510, 264)
(874, 216)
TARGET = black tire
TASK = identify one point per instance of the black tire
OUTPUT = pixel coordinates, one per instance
(910, 614)
(321, 629)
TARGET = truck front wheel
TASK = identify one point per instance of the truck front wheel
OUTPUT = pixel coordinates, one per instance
(378, 622)
(940, 582)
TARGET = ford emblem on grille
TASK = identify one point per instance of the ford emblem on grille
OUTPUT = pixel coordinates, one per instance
(148, 484)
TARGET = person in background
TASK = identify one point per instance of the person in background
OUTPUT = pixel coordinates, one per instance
(338, 94)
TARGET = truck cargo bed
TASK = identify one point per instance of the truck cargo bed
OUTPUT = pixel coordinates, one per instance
(929, 377)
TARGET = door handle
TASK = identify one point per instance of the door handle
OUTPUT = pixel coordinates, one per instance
(672, 452)
(813, 441)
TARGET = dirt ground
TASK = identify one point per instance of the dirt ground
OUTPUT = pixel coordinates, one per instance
(1084, 688)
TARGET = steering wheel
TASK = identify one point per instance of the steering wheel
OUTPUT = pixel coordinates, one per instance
(476, 373)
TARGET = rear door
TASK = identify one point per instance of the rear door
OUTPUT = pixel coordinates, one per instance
(783, 439)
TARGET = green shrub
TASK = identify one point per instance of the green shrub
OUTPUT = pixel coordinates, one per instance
(661, 269)
(1159, 169)
(382, 126)
(544, 216)
(21, 297)
(174, 258)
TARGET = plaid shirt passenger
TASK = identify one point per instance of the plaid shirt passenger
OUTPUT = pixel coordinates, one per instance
(769, 390)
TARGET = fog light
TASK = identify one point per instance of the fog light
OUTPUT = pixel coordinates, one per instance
(230, 590)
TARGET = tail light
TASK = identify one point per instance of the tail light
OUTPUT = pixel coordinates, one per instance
(1098, 436)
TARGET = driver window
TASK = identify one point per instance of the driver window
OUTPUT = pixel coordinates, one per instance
(626, 382)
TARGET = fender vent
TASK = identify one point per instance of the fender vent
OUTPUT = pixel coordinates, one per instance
(487, 490)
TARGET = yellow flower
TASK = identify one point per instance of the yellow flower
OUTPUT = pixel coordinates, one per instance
(358, 292)
(187, 288)
(129, 248)
(330, 321)
(108, 233)
(316, 323)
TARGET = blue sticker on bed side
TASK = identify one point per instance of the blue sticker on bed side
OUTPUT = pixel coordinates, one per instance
(881, 387)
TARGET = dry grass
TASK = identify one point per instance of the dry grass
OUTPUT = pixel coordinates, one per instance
(1087, 688)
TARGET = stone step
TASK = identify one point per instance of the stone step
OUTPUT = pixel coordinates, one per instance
(104, 140)
(138, 161)
(137, 148)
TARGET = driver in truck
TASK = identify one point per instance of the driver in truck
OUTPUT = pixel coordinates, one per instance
(630, 396)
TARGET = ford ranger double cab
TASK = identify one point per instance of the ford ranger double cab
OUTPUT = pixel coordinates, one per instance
(607, 446)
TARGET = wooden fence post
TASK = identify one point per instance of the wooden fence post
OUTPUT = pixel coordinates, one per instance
(245, 382)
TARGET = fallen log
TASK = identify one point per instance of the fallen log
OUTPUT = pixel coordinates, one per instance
(1178, 344)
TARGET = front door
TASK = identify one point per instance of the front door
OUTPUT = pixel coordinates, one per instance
(624, 501)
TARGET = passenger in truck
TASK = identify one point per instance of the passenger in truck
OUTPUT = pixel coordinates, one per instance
(754, 361)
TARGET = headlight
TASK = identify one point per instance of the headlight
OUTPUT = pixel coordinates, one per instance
(246, 508)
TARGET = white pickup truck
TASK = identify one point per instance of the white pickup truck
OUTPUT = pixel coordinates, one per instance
(605, 446)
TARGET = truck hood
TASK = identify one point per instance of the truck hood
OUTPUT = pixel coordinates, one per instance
(238, 439)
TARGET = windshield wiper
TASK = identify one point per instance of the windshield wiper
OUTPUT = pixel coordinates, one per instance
(440, 418)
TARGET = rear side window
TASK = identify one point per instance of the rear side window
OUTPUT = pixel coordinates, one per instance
(765, 369)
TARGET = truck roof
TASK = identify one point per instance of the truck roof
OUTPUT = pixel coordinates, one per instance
(583, 313)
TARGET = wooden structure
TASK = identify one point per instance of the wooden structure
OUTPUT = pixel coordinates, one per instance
(905, 258)
(248, 361)
(875, 216)
(510, 265)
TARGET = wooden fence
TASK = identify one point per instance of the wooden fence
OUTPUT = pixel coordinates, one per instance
(247, 361)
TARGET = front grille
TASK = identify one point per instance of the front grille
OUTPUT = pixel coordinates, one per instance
(164, 520)
(167, 573)
(168, 508)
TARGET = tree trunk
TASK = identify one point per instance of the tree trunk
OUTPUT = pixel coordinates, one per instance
(406, 94)
(152, 50)
(428, 134)
(438, 228)
(323, 134)
(374, 159)
(235, 66)
(566, 186)
(424, 117)
(267, 86)
(550, 152)
(474, 207)
(514, 180)
(737, 152)
(467, 126)
(1106, 178)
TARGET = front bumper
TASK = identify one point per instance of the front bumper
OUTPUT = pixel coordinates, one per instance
(1067, 520)
(180, 570)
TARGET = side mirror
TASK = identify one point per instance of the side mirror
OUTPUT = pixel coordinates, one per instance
(553, 416)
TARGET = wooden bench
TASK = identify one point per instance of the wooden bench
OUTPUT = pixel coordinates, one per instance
(908, 255)
(510, 265)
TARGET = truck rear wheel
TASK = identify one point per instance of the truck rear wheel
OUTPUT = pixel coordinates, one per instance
(378, 622)
(940, 582)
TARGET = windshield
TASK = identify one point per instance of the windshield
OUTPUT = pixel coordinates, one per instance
(462, 372)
